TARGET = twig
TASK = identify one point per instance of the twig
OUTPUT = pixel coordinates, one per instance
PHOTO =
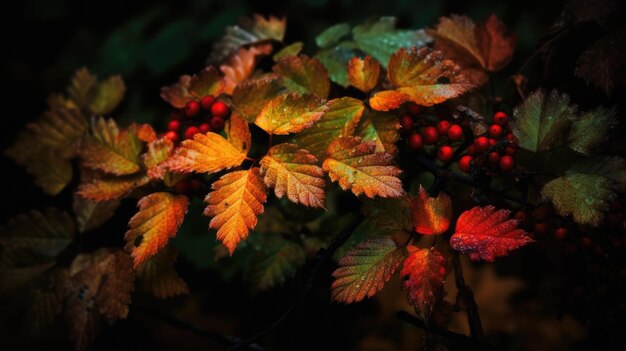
(466, 295)
(323, 255)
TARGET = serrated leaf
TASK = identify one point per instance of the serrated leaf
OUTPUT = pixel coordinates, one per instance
(241, 65)
(159, 217)
(277, 261)
(205, 153)
(602, 63)
(157, 153)
(422, 76)
(294, 172)
(583, 196)
(485, 233)
(380, 39)
(611, 167)
(424, 271)
(81, 87)
(380, 128)
(340, 119)
(332, 35)
(389, 213)
(365, 269)
(363, 73)
(290, 50)
(110, 188)
(91, 214)
(496, 47)
(235, 201)
(60, 129)
(110, 149)
(158, 277)
(431, 215)
(303, 75)
(335, 60)
(41, 311)
(207, 82)
(591, 129)
(290, 113)
(252, 95)
(144, 132)
(238, 133)
(357, 166)
(51, 171)
(107, 95)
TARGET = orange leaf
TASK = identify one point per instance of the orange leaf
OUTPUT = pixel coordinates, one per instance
(422, 76)
(495, 46)
(486, 233)
(144, 132)
(241, 65)
(158, 219)
(425, 271)
(205, 153)
(431, 215)
(154, 159)
(235, 202)
(294, 172)
(238, 133)
(303, 75)
(290, 113)
(363, 73)
(207, 82)
(158, 276)
(456, 34)
(109, 188)
(250, 96)
(357, 166)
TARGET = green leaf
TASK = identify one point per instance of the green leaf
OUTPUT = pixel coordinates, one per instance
(365, 269)
(591, 129)
(611, 167)
(584, 196)
(381, 128)
(108, 94)
(251, 95)
(278, 261)
(290, 50)
(303, 75)
(335, 60)
(389, 213)
(332, 35)
(380, 39)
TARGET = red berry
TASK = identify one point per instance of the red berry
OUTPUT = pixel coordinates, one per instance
(182, 187)
(510, 138)
(445, 153)
(522, 216)
(217, 123)
(465, 163)
(415, 142)
(560, 232)
(173, 126)
(206, 102)
(510, 150)
(443, 126)
(191, 131)
(204, 128)
(481, 144)
(173, 136)
(586, 241)
(455, 132)
(495, 131)
(406, 123)
(220, 109)
(500, 118)
(494, 158)
(430, 135)
(540, 228)
(415, 109)
(471, 150)
(507, 163)
(492, 142)
(192, 108)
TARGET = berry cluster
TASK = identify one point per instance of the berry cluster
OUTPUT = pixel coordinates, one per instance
(198, 116)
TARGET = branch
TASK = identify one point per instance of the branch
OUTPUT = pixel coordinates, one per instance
(466, 295)
(323, 256)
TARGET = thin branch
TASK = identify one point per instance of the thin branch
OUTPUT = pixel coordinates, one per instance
(466, 295)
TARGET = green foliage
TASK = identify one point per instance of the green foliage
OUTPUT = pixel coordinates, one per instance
(277, 261)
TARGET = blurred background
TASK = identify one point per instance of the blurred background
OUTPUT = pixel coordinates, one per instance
(151, 44)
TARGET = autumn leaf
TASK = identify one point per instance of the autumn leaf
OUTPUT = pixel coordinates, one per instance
(60, 129)
(158, 277)
(81, 87)
(290, 113)
(144, 132)
(289, 50)
(156, 155)
(591, 129)
(96, 98)
(335, 60)
(159, 217)
(235, 201)
(277, 261)
(250, 96)
(50, 170)
(424, 272)
(294, 172)
(422, 76)
(110, 149)
(238, 133)
(205, 153)
(340, 119)
(495, 45)
(363, 73)
(303, 75)
(431, 215)
(610, 167)
(389, 213)
(241, 65)
(380, 128)
(602, 63)
(110, 188)
(91, 214)
(365, 269)
(207, 82)
(356, 165)
(485, 233)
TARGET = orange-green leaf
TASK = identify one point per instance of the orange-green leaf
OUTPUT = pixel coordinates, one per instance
(91, 214)
(235, 202)
(380, 128)
(238, 133)
(205, 153)
(422, 76)
(107, 95)
(60, 129)
(241, 65)
(250, 96)
(110, 149)
(158, 276)
(456, 33)
(109, 188)
(277, 260)
(82, 87)
(158, 219)
(424, 271)
(290, 113)
(294, 172)
(431, 215)
(389, 213)
(363, 73)
(364, 270)
(303, 75)
(340, 119)
(356, 165)
(207, 82)
(154, 158)
(51, 171)
(485, 233)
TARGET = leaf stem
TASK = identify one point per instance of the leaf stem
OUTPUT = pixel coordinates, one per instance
(466, 295)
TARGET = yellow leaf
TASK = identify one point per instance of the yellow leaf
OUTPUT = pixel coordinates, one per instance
(238, 133)
(381, 128)
(241, 65)
(205, 153)
(109, 188)
(250, 96)
(154, 158)
(356, 165)
(158, 219)
(235, 202)
(363, 73)
(303, 75)
(107, 95)
(294, 172)
(290, 113)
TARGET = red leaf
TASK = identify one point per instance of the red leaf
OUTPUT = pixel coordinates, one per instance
(431, 215)
(425, 271)
(485, 233)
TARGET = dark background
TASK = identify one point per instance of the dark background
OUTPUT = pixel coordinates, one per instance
(151, 44)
